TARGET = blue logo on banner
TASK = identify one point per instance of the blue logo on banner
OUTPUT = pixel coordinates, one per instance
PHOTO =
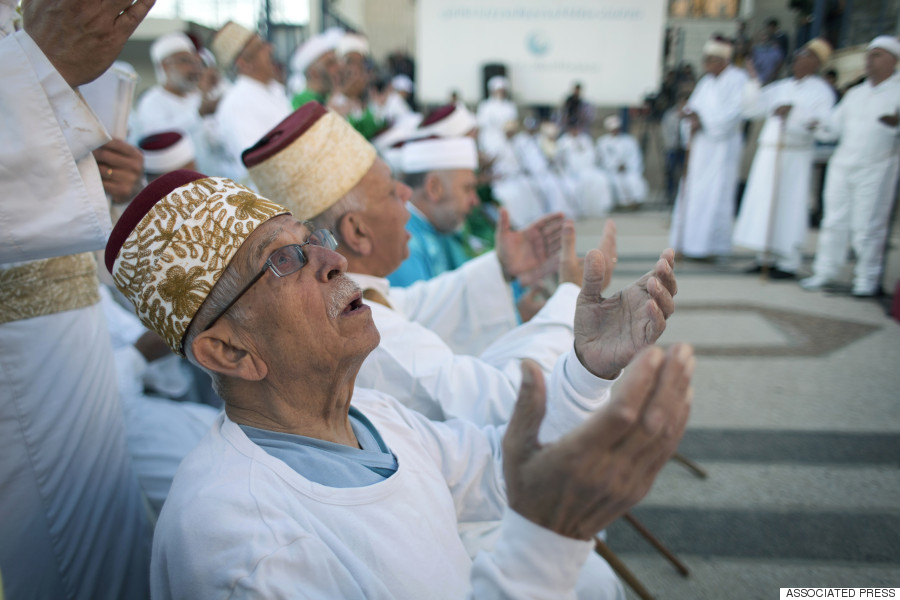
(537, 44)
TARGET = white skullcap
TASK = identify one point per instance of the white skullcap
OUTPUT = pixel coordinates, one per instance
(403, 83)
(170, 44)
(498, 82)
(351, 42)
(166, 151)
(718, 48)
(314, 48)
(440, 155)
(888, 43)
(403, 129)
(612, 122)
(166, 46)
(229, 42)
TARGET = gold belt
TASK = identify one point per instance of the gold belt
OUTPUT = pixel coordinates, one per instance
(46, 287)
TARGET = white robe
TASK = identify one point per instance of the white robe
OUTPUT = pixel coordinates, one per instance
(535, 164)
(512, 186)
(492, 115)
(73, 521)
(241, 521)
(791, 141)
(248, 111)
(622, 151)
(588, 185)
(861, 182)
(160, 110)
(159, 432)
(704, 208)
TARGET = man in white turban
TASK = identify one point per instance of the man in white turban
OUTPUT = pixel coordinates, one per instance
(861, 182)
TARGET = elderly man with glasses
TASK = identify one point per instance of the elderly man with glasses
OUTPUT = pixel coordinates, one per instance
(307, 486)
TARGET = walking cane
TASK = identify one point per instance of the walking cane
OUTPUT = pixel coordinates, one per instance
(773, 203)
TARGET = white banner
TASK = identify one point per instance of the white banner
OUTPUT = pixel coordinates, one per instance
(613, 47)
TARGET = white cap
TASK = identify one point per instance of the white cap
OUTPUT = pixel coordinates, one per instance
(445, 154)
(313, 49)
(166, 151)
(498, 82)
(612, 122)
(718, 48)
(888, 43)
(352, 42)
(166, 46)
(403, 83)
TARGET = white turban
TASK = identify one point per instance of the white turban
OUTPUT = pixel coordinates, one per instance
(498, 82)
(424, 156)
(718, 49)
(887, 43)
(314, 48)
(166, 46)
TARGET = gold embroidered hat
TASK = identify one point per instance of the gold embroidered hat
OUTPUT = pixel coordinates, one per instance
(175, 240)
(309, 161)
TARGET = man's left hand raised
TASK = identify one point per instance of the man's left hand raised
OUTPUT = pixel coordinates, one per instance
(609, 332)
(530, 254)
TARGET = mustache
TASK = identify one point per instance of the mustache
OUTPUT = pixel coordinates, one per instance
(344, 291)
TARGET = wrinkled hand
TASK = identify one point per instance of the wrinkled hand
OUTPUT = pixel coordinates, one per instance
(121, 170)
(783, 111)
(609, 332)
(890, 120)
(530, 254)
(584, 481)
(82, 38)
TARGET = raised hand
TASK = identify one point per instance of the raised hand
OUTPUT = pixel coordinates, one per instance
(82, 38)
(609, 332)
(581, 483)
(530, 254)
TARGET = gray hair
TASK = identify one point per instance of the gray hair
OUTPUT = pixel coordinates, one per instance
(224, 291)
(331, 217)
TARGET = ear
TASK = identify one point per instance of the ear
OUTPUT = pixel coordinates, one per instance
(220, 350)
(355, 233)
(434, 187)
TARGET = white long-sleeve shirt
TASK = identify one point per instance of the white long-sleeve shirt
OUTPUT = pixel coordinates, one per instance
(239, 521)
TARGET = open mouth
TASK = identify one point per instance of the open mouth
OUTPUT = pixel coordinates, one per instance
(354, 305)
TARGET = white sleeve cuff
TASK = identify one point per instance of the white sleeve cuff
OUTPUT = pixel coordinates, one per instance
(529, 561)
(585, 387)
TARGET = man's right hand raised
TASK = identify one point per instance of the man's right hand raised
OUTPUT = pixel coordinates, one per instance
(82, 38)
(585, 480)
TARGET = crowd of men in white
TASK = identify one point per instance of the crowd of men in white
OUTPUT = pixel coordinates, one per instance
(375, 442)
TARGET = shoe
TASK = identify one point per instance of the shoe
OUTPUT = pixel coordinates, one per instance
(776, 273)
(756, 269)
(814, 283)
(866, 292)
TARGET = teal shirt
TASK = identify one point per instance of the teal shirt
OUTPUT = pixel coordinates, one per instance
(430, 252)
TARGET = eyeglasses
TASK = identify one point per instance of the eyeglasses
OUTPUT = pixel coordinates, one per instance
(283, 262)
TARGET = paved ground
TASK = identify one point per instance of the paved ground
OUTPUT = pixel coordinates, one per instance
(797, 420)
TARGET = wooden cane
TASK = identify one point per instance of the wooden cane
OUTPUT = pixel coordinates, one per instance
(654, 541)
(773, 203)
(621, 570)
(691, 465)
